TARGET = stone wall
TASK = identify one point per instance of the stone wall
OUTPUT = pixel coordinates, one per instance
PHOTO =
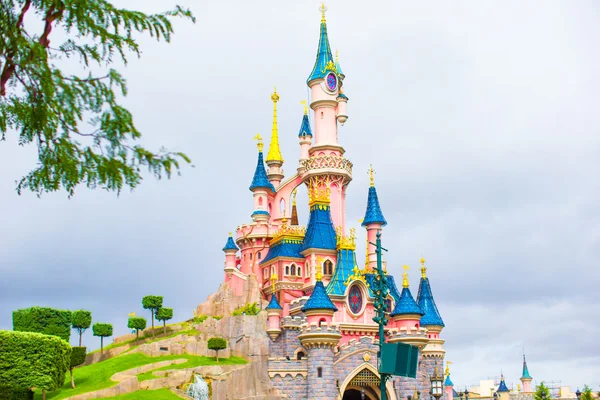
(291, 387)
(321, 388)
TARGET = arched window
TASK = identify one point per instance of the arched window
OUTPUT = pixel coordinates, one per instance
(259, 255)
(251, 256)
(287, 269)
(299, 271)
(273, 270)
(266, 272)
(328, 267)
(321, 321)
(260, 201)
(300, 355)
(293, 269)
(282, 206)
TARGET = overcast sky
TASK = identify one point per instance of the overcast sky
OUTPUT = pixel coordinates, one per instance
(482, 122)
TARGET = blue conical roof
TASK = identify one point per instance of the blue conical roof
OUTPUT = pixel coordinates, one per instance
(273, 304)
(320, 233)
(260, 179)
(425, 300)
(230, 244)
(338, 67)
(373, 215)
(323, 55)
(346, 261)
(319, 300)
(448, 382)
(525, 370)
(305, 127)
(502, 388)
(406, 305)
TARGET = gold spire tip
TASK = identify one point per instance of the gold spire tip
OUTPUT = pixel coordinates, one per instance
(405, 276)
(305, 104)
(423, 268)
(294, 197)
(372, 175)
(230, 234)
(259, 143)
(275, 96)
(323, 9)
(337, 55)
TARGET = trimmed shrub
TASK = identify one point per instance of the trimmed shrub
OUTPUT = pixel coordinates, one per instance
(80, 321)
(48, 321)
(30, 360)
(137, 323)
(216, 344)
(102, 330)
(152, 303)
(10, 393)
(248, 309)
(164, 314)
(77, 358)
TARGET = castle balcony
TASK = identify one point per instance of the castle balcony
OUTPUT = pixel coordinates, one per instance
(413, 336)
(339, 168)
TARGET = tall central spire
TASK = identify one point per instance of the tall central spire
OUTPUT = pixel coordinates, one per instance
(324, 56)
(274, 151)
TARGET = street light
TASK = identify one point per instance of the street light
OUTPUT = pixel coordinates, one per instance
(466, 393)
(578, 394)
(495, 395)
(436, 384)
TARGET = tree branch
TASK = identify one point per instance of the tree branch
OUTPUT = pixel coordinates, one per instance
(51, 15)
(9, 67)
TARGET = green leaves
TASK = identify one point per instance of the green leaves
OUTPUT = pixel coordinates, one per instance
(77, 356)
(44, 320)
(137, 323)
(152, 302)
(164, 314)
(102, 330)
(217, 343)
(81, 319)
(82, 134)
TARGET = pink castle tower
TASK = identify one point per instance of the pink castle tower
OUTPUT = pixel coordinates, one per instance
(525, 377)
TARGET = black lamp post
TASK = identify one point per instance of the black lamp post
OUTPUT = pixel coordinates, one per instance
(466, 393)
(578, 394)
(495, 395)
(436, 384)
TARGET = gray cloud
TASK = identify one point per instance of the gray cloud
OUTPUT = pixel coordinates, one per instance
(481, 121)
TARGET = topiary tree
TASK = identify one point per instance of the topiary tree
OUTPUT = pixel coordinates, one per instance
(164, 314)
(48, 321)
(80, 321)
(41, 104)
(77, 358)
(216, 344)
(152, 303)
(542, 392)
(137, 323)
(102, 330)
(586, 394)
(29, 360)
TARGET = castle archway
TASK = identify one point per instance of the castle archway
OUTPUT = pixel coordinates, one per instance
(364, 380)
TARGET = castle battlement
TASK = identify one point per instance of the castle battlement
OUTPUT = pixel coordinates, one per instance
(314, 328)
(292, 323)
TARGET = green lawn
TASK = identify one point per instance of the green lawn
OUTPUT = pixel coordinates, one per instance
(159, 394)
(191, 363)
(97, 376)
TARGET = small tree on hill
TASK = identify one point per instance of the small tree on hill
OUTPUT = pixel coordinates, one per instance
(81, 320)
(164, 314)
(152, 303)
(542, 392)
(216, 344)
(102, 330)
(586, 394)
(137, 323)
(77, 358)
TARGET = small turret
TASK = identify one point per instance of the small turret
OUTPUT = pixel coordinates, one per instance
(373, 220)
(230, 250)
(448, 385)
(503, 390)
(274, 157)
(319, 307)
(304, 135)
(274, 311)
(260, 186)
(525, 377)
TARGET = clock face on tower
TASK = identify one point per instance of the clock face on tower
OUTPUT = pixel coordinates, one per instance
(331, 80)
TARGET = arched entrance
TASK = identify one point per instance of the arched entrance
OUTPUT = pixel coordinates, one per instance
(363, 384)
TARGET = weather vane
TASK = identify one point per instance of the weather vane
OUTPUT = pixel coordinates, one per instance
(372, 175)
(323, 9)
(303, 102)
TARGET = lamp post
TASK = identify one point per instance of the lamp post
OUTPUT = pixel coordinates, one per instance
(381, 291)
(466, 393)
(578, 394)
(436, 384)
(495, 395)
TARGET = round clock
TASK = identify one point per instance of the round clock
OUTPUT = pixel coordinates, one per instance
(355, 299)
(332, 81)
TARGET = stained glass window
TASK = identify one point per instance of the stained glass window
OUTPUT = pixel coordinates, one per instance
(355, 299)
(331, 82)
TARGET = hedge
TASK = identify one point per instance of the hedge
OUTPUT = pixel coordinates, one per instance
(44, 320)
(10, 393)
(30, 360)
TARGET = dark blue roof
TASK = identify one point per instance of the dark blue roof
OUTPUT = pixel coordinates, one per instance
(502, 388)
(273, 304)
(230, 245)
(406, 305)
(287, 248)
(320, 233)
(346, 260)
(448, 381)
(323, 55)
(305, 127)
(373, 215)
(319, 300)
(260, 179)
(427, 304)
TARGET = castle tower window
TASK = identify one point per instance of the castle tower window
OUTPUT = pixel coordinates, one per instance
(251, 256)
(293, 269)
(300, 355)
(328, 267)
(259, 255)
(319, 372)
(287, 269)
(299, 271)
(260, 201)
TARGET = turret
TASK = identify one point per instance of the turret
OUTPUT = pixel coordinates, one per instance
(319, 308)
(448, 385)
(373, 220)
(230, 251)
(503, 391)
(431, 318)
(274, 157)
(342, 99)
(406, 316)
(304, 135)
(525, 377)
(274, 311)
(261, 187)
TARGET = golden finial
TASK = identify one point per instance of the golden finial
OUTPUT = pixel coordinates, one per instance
(294, 197)
(230, 234)
(337, 55)
(448, 367)
(274, 151)
(259, 144)
(423, 268)
(274, 278)
(284, 221)
(405, 276)
(318, 194)
(323, 9)
(367, 253)
(305, 104)
(372, 175)
(319, 269)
